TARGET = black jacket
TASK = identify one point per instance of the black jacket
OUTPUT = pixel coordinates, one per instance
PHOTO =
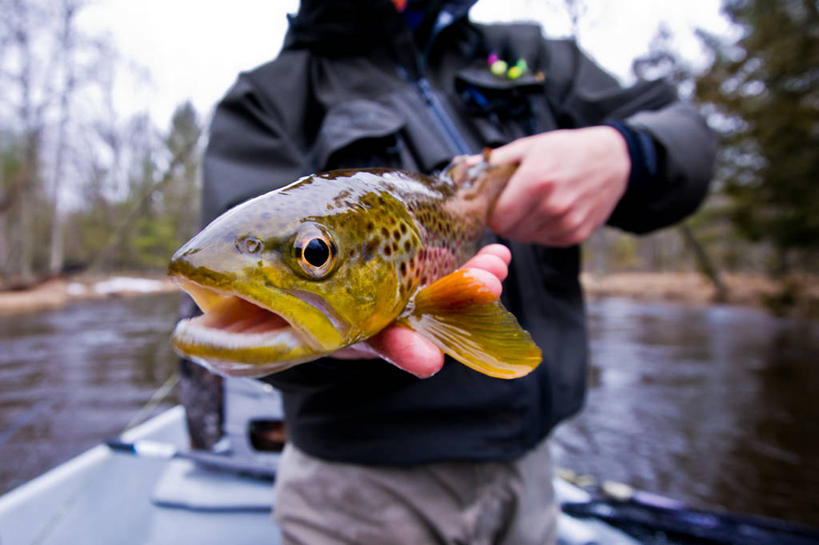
(351, 88)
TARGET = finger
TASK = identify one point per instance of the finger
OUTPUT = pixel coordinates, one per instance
(565, 235)
(572, 227)
(542, 222)
(472, 160)
(408, 350)
(510, 153)
(519, 199)
(489, 263)
(499, 250)
(491, 282)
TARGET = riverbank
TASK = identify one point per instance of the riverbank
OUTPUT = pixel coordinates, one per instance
(58, 292)
(796, 295)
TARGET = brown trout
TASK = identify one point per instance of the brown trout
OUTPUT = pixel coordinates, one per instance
(333, 258)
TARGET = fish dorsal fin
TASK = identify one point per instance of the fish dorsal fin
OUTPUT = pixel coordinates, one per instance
(465, 320)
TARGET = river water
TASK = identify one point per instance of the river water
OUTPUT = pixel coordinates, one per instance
(715, 406)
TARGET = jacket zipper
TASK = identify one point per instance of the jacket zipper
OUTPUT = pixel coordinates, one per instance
(446, 125)
(439, 114)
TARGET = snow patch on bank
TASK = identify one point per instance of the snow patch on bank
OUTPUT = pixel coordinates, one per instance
(123, 284)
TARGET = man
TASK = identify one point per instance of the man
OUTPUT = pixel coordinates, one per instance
(378, 455)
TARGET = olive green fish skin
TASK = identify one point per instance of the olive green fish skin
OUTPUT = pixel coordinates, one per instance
(391, 232)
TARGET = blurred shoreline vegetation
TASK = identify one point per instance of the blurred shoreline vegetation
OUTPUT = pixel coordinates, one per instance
(83, 189)
(760, 93)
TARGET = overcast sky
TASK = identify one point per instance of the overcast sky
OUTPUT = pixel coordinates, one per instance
(194, 49)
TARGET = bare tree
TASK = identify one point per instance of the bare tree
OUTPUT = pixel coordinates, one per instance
(662, 61)
(46, 65)
(183, 159)
(20, 73)
(66, 46)
(576, 10)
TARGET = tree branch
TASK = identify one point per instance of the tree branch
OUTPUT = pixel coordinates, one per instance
(140, 207)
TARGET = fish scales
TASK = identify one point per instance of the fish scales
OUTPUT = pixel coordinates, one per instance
(443, 238)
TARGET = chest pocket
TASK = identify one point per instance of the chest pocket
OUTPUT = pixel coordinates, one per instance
(360, 133)
(502, 110)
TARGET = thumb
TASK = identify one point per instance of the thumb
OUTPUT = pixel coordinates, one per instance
(512, 152)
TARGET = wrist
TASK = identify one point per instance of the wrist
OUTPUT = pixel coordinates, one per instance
(618, 160)
(642, 154)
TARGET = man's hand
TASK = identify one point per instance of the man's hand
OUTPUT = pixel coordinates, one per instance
(566, 186)
(410, 351)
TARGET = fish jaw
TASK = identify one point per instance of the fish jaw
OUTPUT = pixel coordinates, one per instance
(239, 335)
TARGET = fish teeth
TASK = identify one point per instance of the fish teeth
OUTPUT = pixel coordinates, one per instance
(190, 332)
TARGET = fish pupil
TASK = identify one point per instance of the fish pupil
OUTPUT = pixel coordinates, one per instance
(316, 252)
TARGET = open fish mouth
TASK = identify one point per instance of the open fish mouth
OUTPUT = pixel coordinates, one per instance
(230, 313)
(239, 337)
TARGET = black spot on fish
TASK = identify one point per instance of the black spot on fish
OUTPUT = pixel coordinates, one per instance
(369, 249)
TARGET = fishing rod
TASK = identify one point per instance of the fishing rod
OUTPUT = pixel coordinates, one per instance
(216, 462)
(653, 518)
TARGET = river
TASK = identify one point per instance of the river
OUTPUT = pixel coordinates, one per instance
(715, 406)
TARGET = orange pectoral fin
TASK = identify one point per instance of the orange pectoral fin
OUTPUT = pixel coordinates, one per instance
(465, 320)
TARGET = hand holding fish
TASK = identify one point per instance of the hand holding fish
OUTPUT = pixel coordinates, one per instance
(412, 352)
(566, 186)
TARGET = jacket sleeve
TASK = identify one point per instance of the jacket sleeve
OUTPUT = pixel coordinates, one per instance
(685, 146)
(249, 151)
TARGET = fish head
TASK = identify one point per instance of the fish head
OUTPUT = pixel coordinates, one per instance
(295, 274)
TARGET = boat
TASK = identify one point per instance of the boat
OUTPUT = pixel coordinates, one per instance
(146, 487)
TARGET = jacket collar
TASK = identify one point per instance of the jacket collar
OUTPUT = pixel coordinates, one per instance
(341, 27)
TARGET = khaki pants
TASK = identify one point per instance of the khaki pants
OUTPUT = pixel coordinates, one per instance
(450, 503)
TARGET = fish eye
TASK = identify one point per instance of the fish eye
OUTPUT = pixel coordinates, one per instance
(315, 252)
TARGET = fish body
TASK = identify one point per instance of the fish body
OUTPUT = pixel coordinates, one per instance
(333, 258)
